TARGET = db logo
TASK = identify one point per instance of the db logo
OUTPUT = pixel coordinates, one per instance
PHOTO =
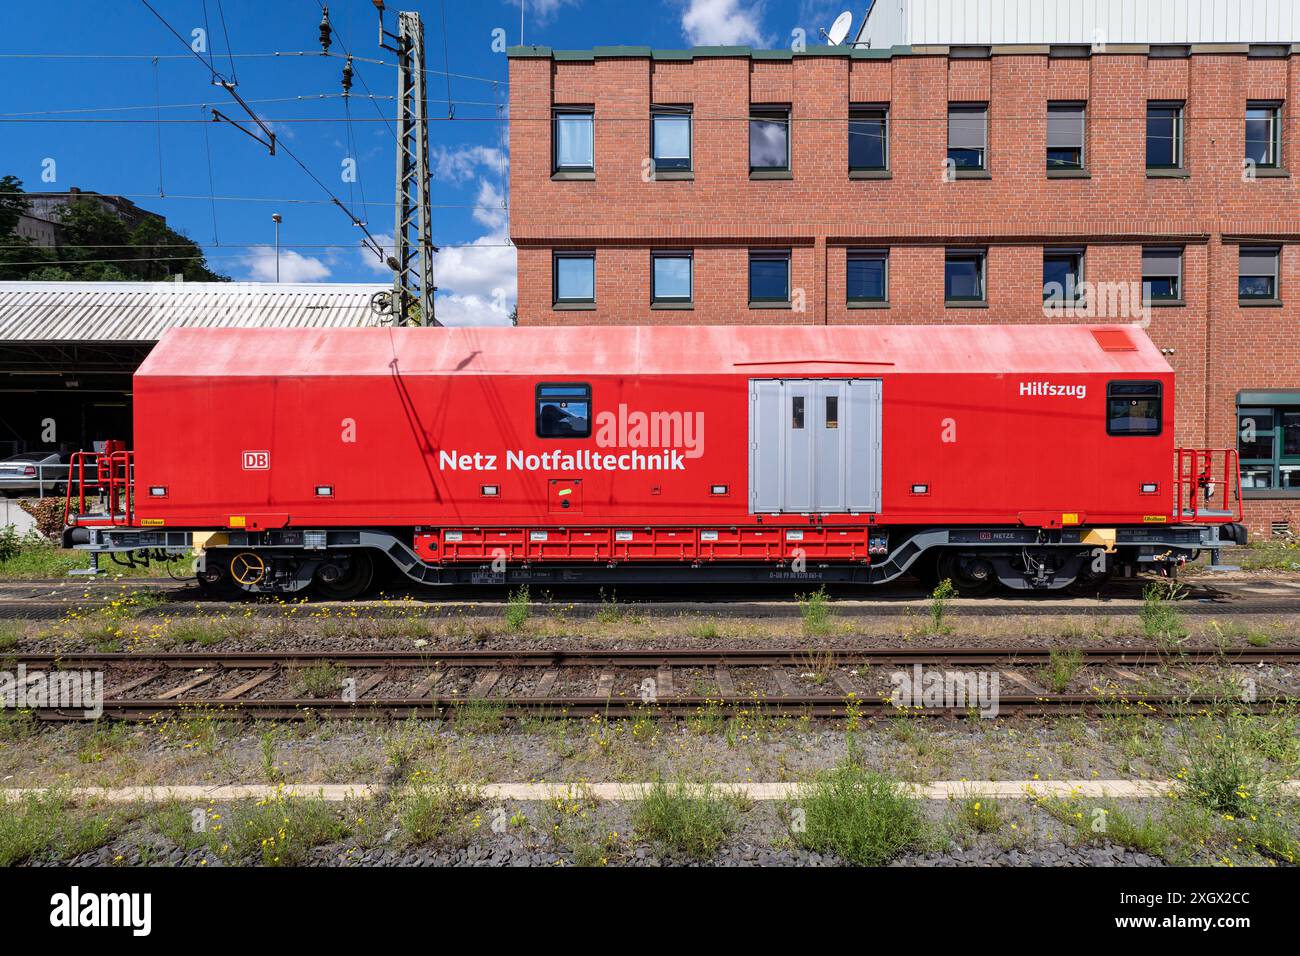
(257, 460)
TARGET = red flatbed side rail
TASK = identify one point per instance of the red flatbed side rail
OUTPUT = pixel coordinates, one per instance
(1207, 485)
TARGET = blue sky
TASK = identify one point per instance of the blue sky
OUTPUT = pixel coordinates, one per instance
(91, 67)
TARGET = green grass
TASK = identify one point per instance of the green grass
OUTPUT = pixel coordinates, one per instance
(703, 630)
(10, 631)
(279, 831)
(1159, 617)
(1224, 771)
(517, 609)
(979, 814)
(816, 612)
(184, 632)
(1273, 556)
(1063, 665)
(430, 811)
(37, 558)
(860, 816)
(695, 820)
(45, 824)
(319, 680)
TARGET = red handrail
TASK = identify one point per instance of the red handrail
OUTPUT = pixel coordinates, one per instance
(112, 482)
(1195, 485)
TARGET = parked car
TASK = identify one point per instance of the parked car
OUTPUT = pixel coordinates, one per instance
(33, 473)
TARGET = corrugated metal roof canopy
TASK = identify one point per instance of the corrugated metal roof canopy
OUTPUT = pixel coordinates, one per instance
(133, 312)
(989, 22)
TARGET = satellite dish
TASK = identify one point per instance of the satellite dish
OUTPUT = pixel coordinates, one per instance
(840, 28)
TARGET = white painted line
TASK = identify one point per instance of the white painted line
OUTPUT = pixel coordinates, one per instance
(529, 792)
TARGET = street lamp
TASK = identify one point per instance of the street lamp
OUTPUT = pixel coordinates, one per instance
(277, 218)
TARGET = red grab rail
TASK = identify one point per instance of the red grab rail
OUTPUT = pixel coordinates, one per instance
(1207, 485)
(108, 476)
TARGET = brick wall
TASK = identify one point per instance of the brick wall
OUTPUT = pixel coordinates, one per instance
(1218, 346)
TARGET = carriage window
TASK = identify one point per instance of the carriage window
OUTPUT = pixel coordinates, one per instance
(796, 411)
(563, 411)
(1133, 408)
(832, 411)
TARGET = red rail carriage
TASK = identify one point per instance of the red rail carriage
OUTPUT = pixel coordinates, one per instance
(1038, 456)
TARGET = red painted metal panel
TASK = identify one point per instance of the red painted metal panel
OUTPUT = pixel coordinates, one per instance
(406, 426)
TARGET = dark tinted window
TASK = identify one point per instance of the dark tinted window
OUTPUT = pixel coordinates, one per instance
(868, 138)
(1133, 408)
(563, 411)
(1164, 136)
(769, 276)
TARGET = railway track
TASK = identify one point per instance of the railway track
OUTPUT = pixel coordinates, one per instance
(650, 682)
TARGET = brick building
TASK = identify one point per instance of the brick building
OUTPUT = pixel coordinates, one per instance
(936, 184)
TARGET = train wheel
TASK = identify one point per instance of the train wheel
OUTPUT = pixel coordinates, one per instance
(343, 583)
(215, 581)
(972, 578)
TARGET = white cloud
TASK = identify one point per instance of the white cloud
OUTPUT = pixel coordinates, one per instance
(723, 23)
(460, 165)
(544, 10)
(294, 266)
(471, 310)
(490, 208)
(372, 261)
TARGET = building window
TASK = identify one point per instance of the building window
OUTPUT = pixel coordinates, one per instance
(963, 276)
(563, 410)
(1162, 275)
(670, 138)
(670, 276)
(1257, 272)
(968, 135)
(1164, 136)
(1062, 275)
(769, 276)
(574, 140)
(769, 138)
(1065, 135)
(866, 275)
(1133, 408)
(1264, 134)
(575, 277)
(869, 138)
(1268, 442)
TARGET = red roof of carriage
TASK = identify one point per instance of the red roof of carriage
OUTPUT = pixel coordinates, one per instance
(795, 350)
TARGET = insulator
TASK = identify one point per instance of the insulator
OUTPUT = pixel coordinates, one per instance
(325, 29)
(347, 76)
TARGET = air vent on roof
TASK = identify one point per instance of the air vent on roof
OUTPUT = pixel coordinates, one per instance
(1170, 51)
(970, 52)
(1114, 340)
(1068, 51)
(1269, 50)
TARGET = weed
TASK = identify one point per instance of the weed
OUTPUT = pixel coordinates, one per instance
(1062, 666)
(517, 609)
(695, 820)
(863, 817)
(280, 830)
(703, 630)
(1223, 772)
(980, 814)
(816, 612)
(1160, 620)
(319, 680)
(939, 599)
(433, 811)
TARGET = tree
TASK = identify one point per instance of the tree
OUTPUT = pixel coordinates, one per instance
(96, 245)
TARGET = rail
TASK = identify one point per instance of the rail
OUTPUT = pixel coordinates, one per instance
(1207, 485)
(108, 476)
